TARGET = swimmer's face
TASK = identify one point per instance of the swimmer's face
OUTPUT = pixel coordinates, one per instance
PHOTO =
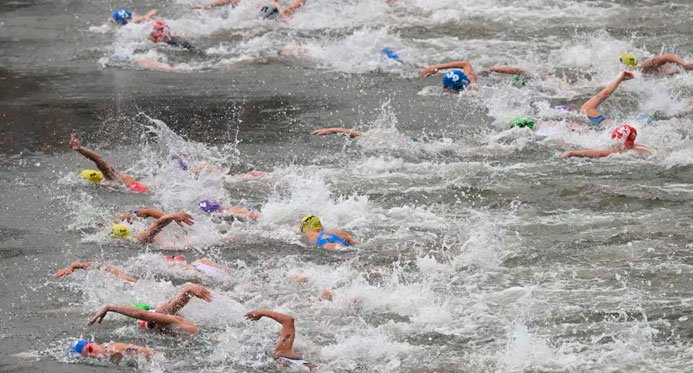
(161, 34)
(92, 350)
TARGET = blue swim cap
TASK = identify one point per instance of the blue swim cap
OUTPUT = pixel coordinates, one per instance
(644, 118)
(455, 80)
(209, 206)
(79, 345)
(122, 16)
(391, 54)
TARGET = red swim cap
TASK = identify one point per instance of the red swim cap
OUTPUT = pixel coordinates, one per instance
(625, 134)
(137, 187)
(160, 32)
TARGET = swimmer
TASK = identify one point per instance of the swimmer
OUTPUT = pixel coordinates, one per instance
(589, 108)
(283, 352)
(624, 134)
(664, 64)
(114, 351)
(122, 17)
(106, 267)
(161, 33)
(146, 236)
(330, 131)
(454, 80)
(333, 240)
(105, 170)
(164, 318)
(238, 212)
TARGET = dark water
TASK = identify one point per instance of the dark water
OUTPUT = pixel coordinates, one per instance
(481, 250)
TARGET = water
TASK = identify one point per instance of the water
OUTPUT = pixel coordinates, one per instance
(481, 250)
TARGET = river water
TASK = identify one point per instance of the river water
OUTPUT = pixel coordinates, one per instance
(480, 249)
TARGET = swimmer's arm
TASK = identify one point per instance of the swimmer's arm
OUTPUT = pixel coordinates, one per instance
(330, 131)
(510, 70)
(181, 299)
(216, 3)
(108, 171)
(130, 349)
(119, 273)
(146, 17)
(590, 107)
(141, 213)
(179, 217)
(660, 60)
(149, 64)
(464, 65)
(244, 212)
(135, 313)
(588, 153)
(292, 8)
(72, 267)
(288, 332)
(344, 235)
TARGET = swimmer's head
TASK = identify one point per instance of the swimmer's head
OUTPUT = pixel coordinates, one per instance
(625, 134)
(91, 175)
(391, 54)
(209, 206)
(522, 122)
(121, 16)
(628, 59)
(79, 347)
(160, 32)
(518, 80)
(455, 80)
(310, 223)
(121, 231)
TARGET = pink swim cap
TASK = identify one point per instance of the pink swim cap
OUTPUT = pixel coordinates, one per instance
(137, 187)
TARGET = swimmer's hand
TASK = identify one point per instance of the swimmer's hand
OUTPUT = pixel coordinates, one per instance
(254, 315)
(69, 269)
(99, 315)
(181, 218)
(627, 75)
(74, 143)
(198, 291)
(428, 71)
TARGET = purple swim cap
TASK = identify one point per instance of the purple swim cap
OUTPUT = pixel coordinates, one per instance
(209, 206)
(563, 107)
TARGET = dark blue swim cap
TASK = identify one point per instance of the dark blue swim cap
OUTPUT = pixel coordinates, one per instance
(122, 16)
(79, 345)
(209, 206)
(455, 80)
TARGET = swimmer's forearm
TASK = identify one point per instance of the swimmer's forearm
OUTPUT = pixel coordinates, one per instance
(149, 213)
(218, 3)
(593, 103)
(276, 316)
(509, 70)
(588, 153)
(148, 234)
(119, 273)
(103, 166)
(296, 4)
(662, 59)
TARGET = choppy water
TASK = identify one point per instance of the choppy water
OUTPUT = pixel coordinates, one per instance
(481, 250)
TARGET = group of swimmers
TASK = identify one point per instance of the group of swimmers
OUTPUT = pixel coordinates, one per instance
(165, 318)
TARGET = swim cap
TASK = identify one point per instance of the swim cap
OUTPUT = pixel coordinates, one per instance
(625, 134)
(310, 223)
(122, 16)
(522, 122)
(209, 206)
(269, 11)
(137, 187)
(121, 231)
(629, 59)
(160, 32)
(391, 54)
(91, 175)
(78, 346)
(143, 306)
(455, 80)
(179, 258)
(518, 80)
(564, 107)
(644, 118)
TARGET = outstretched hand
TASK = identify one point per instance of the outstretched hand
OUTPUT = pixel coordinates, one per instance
(99, 315)
(199, 291)
(65, 272)
(323, 131)
(182, 218)
(253, 315)
(428, 71)
(74, 143)
(628, 75)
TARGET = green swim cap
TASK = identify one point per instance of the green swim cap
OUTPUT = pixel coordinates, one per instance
(518, 80)
(142, 306)
(522, 122)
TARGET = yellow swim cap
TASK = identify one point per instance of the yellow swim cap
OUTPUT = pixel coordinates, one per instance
(629, 59)
(121, 231)
(91, 175)
(310, 223)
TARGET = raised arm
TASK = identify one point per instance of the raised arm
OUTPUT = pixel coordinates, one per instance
(179, 217)
(147, 16)
(140, 213)
(181, 299)
(330, 131)
(292, 8)
(216, 3)
(464, 65)
(657, 61)
(288, 332)
(590, 107)
(108, 171)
